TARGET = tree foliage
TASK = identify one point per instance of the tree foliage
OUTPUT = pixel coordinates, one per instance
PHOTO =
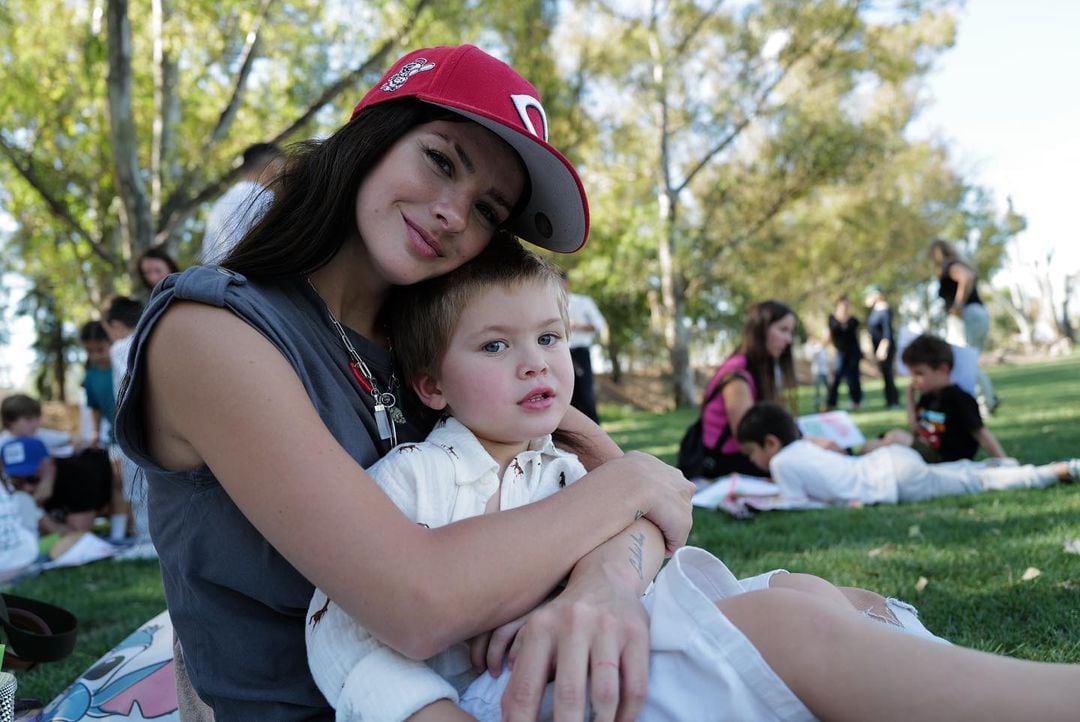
(732, 151)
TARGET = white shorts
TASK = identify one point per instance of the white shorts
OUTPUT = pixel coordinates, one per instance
(701, 667)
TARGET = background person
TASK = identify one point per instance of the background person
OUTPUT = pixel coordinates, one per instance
(153, 265)
(879, 322)
(944, 422)
(588, 326)
(844, 334)
(70, 490)
(761, 369)
(430, 168)
(238, 208)
(97, 383)
(967, 322)
(887, 475)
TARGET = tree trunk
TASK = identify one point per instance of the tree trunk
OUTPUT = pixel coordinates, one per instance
(139, 226)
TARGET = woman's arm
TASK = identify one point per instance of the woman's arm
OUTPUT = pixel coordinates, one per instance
(239, 406)
(737, 401)
(965, 282)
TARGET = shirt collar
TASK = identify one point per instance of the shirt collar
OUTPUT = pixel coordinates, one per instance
(472, 462)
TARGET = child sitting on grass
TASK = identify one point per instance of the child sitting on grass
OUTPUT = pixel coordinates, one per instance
(486, 347)
(892, 473)
(944, 423)
(70, 490)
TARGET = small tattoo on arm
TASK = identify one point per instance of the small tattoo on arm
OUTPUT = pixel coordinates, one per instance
(638, 541)
(638, 514)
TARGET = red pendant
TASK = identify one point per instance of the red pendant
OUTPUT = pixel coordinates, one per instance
(365, 384)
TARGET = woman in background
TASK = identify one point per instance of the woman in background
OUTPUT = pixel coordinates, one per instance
(968, 321)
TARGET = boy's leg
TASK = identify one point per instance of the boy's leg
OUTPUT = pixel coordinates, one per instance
(916, 480)
(1027, 476)
(844, 667)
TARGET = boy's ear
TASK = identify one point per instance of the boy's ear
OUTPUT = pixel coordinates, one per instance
(772, 443)
(428, 391)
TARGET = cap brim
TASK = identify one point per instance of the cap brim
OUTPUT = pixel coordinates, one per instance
(556, 216)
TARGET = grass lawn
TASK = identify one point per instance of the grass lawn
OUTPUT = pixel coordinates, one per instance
(973, 551)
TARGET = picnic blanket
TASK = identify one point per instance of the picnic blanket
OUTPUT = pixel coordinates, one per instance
(135, 680)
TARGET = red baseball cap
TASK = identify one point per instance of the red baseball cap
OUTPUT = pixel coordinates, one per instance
(486, 90)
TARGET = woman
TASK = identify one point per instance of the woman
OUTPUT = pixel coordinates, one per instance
(762, 369)
(153, 265)
(968, 322)
(254, 445)
(255, 496)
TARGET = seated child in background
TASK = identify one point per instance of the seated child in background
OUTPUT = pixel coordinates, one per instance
(892, 473)
(945, 424)
(70, 490)
(486, 346)
(97, 383)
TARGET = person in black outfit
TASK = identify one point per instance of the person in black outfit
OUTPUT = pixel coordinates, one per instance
(844, 334)
(882, 340)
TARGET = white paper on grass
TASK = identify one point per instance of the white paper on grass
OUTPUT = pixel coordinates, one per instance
(733, 485)
(836, 426)
(89, 548)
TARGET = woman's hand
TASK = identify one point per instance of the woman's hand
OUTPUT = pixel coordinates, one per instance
(670, 509)
(595, 636)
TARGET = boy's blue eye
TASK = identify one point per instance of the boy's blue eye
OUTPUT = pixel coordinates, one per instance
(548, 339)
(493, 346)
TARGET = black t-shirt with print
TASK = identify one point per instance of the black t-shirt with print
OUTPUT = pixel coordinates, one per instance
(946, 421)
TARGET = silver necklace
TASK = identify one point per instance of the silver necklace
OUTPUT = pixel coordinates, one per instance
(387, 413)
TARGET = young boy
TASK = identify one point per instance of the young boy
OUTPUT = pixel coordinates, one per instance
(945, 422)
(486, 346)
(893, 473)
(97, 383)
(70, 490)
(119, 319)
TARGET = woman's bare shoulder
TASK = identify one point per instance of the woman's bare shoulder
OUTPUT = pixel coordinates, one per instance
(202, 360)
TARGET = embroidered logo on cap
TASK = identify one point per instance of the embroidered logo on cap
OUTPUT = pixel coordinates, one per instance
(522, 103)
(408, 70)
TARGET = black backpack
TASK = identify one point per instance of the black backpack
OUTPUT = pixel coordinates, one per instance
(696, 460)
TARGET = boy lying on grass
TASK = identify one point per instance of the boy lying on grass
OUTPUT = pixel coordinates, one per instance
(889, 474)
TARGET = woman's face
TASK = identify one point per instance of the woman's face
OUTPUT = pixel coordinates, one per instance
(779, 335)
(153, 270)
(435, 200)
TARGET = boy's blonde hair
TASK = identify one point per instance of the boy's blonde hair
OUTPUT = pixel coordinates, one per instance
(424, 316)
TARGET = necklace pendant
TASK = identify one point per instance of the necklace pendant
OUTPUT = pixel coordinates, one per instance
(382, 421)
(397, 415)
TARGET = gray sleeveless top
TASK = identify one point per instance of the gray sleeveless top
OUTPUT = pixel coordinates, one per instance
(237, 605)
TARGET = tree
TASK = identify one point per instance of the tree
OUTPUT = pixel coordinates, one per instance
(120, 120)
(752, 134)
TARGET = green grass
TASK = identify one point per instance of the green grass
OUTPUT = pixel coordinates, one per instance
(972, 551)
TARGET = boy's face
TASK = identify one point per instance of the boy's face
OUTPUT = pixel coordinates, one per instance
(97, 353)
(762, 454)
(928, 379)
(507, 373)
(25, 426)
